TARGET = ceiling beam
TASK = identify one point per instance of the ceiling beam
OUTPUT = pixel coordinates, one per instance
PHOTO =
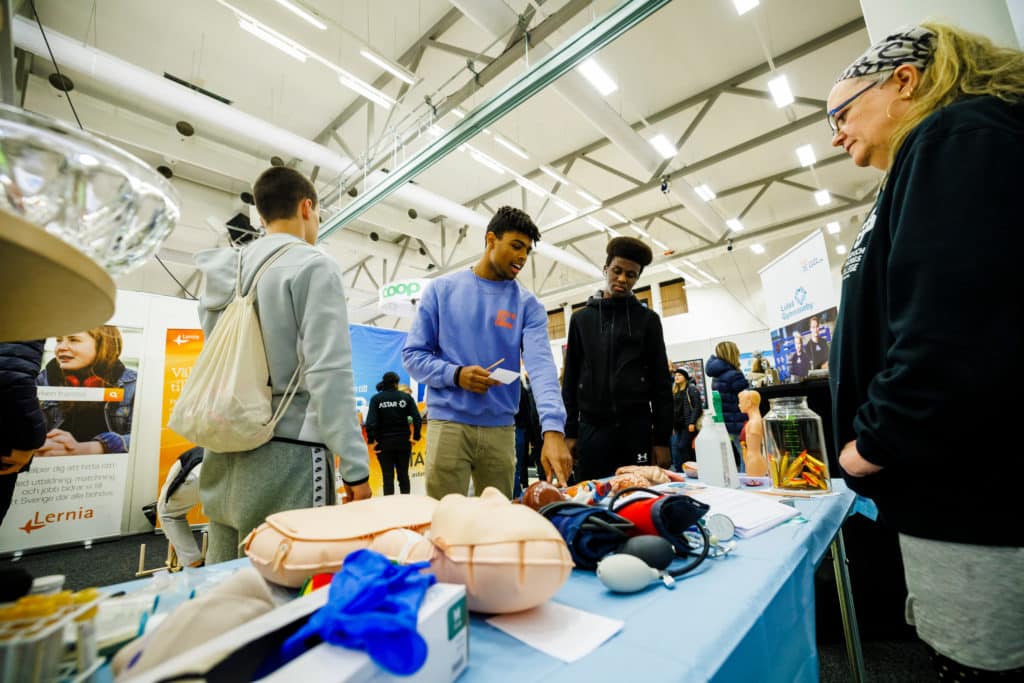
(798, 52)
(605, 167)
(459, 51)
(762, 95)
(808, 188)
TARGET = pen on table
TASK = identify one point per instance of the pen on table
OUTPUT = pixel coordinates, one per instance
(494, 364)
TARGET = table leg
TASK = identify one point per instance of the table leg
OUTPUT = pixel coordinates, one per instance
(849, 613)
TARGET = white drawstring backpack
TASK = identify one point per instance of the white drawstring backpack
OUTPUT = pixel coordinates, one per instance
(225, 405)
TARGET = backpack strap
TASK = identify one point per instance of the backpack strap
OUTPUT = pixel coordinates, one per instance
(262, 269)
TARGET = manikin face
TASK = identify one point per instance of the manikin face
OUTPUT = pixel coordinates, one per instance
(75, 351)
(622, 275)
(507, 254)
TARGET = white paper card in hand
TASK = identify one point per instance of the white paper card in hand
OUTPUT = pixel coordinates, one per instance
(558, 630)
(504, 376)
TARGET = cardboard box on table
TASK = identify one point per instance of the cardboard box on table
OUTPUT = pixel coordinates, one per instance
(443, 623)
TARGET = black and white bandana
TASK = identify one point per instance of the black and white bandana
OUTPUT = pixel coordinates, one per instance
(909, 45)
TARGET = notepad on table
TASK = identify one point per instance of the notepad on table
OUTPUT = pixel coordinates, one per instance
(752, 514)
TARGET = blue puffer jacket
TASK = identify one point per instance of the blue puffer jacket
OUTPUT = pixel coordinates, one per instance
(22, 425)
(728, 382)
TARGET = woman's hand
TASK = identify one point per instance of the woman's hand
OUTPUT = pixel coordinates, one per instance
(854, 463)
(60, 442)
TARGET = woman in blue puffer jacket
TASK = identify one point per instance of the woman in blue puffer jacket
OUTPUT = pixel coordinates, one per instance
(724, 367)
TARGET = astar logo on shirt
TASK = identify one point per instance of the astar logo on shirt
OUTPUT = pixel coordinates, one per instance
(504, 319)
(37, 522)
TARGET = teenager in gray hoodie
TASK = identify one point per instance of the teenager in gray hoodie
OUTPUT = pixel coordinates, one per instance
(303, 318)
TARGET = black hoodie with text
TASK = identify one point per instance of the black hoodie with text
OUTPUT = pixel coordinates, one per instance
(616, 368)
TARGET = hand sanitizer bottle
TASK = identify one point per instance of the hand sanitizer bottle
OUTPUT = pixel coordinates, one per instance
(715, 463)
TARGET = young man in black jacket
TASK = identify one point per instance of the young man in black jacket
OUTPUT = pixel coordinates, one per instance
(387, 422)
(617, 394)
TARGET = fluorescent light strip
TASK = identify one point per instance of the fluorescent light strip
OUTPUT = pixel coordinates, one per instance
(663, 146)
(598, 78)
(511, 146)
(531, 186)
(661, 245)
(273, 38)
(734, 224)
(744, 6)
(366, 90)
(704, 274)
(566, 206)
(395, 70)
(616, 215)
(833, 228)
(704, 192)
(555, 174)
(686, 276)
(840, 249)
(805, 153)
(823, 197)
(436, 130)
(457, 113)
(597, 224)
(638, 230)
(589, 197)
(487, 161)
(305, 14)
(757, 248)
(614, 233)
(781, 93)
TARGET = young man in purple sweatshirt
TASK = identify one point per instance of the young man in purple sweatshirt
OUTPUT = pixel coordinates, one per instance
(467, 321)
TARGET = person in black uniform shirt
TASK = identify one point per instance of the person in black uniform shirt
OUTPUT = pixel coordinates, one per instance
(935, 268)
(799, 361)
(618, 397)
(528, 437)
(817, 347)
(387, 423)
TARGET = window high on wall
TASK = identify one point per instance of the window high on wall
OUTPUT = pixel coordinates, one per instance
(556, 324)
(673, 297)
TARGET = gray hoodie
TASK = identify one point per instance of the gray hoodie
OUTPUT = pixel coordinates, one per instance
(302, 312)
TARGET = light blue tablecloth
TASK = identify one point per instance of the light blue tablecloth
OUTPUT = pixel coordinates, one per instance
(749, 616)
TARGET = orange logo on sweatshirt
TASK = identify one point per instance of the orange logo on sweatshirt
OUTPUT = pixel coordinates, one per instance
(504, 319)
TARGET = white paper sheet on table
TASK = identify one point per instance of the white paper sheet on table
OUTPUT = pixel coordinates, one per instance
(558, 630)
(504, 376)
(750, 512)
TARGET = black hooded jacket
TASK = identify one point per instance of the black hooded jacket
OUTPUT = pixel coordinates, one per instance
(22, 425)
(616, 368)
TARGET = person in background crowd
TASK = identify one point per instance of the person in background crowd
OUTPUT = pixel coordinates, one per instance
(817, 347)
(387, 425)
(758, 377)
(617, 395)
(468, 320)
(772, 375)
(304, 324)
(528, 436)
(799, 361)
(934, 269)
(22, 423)
(724, 367)
(89, 359)
(179, 494)
(686, 410)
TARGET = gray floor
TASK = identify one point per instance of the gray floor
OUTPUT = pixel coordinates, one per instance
(899, 660)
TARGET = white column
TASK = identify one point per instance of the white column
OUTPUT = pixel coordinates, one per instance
(993, 18)
(656, 298)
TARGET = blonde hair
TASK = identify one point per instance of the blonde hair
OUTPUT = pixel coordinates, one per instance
(963, 65)
(729, 352)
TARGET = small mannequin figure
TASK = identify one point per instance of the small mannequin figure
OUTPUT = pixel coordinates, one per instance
(752, 436)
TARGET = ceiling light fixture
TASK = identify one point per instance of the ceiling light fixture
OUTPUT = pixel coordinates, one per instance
(597, 224)
(744, 6)
(781, 93)
(531, 186)
(490, 163)
(638, 230)
(686, 276)
(273, 38)
(396, 70)
(302, 12)
(555, 174)
(840, 249)
(734, 224)
(704, 192)
(366, 90)
(663, 146)
(566, 206)
(458, 113)
(598, 78)
(616, 215)
(704, 274)
(511, 146)
(661, 245)
(805, 153)
(436, 130)
(589, 197)
(823, 197)
(833, 228)
(614, 233)
(757, 248)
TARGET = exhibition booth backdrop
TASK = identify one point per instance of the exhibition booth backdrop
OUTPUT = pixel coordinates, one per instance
(150, 346)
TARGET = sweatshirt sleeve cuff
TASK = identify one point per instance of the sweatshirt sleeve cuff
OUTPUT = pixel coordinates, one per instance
(357, 482)
(869, 450)
(552, 426)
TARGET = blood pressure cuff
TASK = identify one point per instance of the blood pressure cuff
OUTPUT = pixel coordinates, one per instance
(667, 516)
(590, 532)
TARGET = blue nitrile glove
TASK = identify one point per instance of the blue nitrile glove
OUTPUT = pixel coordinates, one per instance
(373, 606)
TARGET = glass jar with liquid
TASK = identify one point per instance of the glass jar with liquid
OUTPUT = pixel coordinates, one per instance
(797, 458)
